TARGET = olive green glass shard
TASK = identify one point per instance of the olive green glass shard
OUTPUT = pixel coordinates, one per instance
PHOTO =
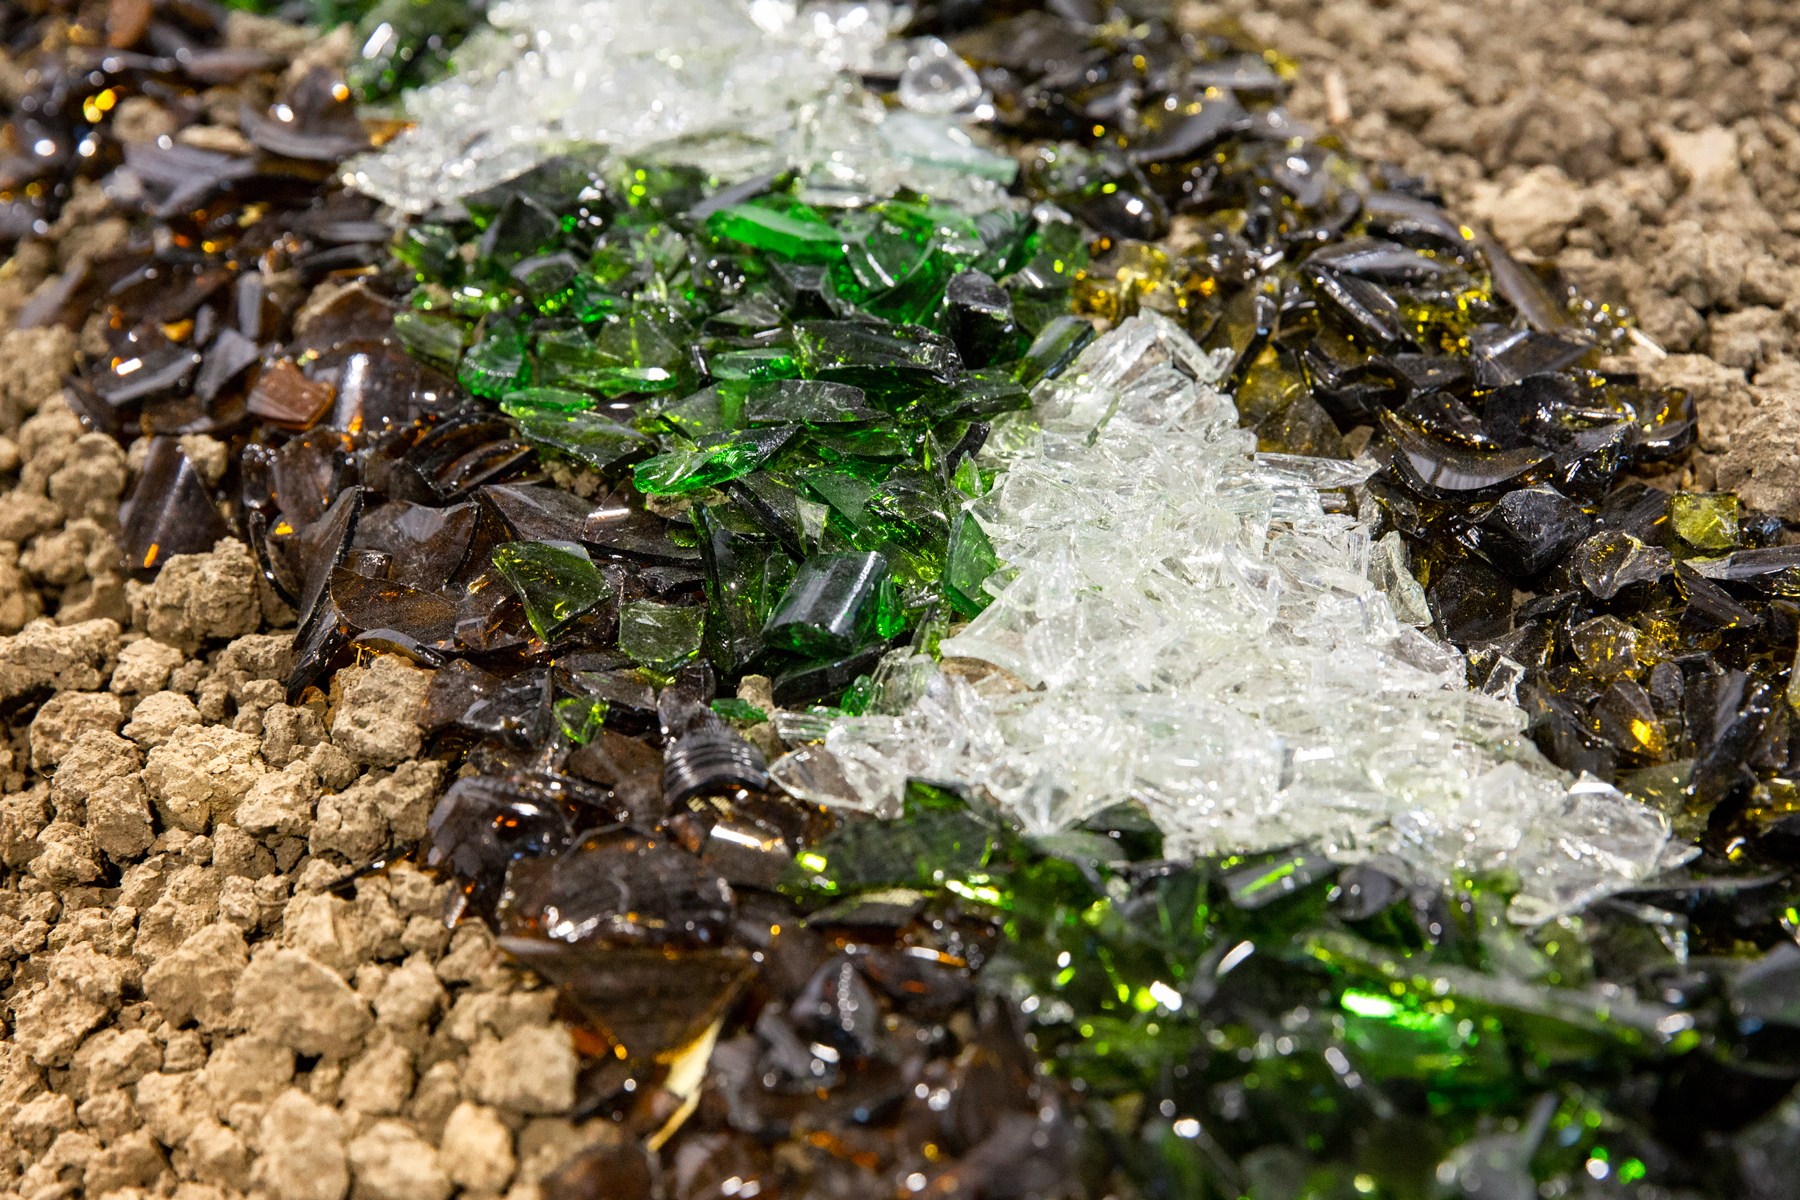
(660, 636)
(556, 583)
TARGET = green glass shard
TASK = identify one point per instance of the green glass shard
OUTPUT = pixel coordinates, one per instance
(717, 409)
(660, 637)
(556, 582)
(833, 606)
(496, 364)
(970, 561)
(813, 403)
(1706, 521)
(549, 280)
(475, 300)
(587, 436)
(881, 359)
(581, 717)
(570, 358)
(557, 184)
(733, 709)
(794, 231)
(982, 394)
(714, 460)
(857, 697)
(846, 493)
(888, 444)
(746, 573)
(1053, 349)
(432, 251)
(909, 510)
(762, 362)
(435, 338)
(546, 399)
(1058, 254)
(926, 850)
(523, 227)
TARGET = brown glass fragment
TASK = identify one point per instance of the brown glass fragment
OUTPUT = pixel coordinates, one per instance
(647, 1000)
(285, 397)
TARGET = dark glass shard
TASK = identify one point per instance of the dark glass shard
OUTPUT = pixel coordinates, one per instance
(367, 603)
(1527, 531)
(645, 1000)
(1441, 469)
(171, 511)
(980, 319)
(227, 358)
(539, 514)
(326, 542)
(426, 544)
(631, 532)
(1501, 355)
(811, 682)
(1471, 602)
(1709, 606)
(285, 397)
(1723, 715)
(620, 889)
(712, 759)
(484, 824)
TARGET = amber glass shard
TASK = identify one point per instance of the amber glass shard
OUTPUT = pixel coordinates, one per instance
(646, 1000)
(171, 509)
(621, 889)
(1607, 646)
(283, 396)
(1438, 468)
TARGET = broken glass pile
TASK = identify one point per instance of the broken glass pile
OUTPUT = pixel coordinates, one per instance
(1169, 681)
(744, 88)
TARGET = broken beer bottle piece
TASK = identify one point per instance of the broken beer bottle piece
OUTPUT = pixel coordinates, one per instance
(835, 604)
(1625, 717)
(285, 397)
(714, 459)
(589, 437)
(660, 636)
(1706, 521)
(645, 999)
(792, 231)
(971, 560)
(483, 824)
(1607, 563)
(619, 888)
(1527, 531)
(557, 583)
(1437, 468)
(876, 356)
(813, 403)
(171, 509)
(1607, 646)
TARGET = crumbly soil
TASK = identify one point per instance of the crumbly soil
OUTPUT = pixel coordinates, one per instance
(192, 1007)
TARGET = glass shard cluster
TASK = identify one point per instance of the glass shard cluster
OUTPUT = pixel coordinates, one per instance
(1172, 674)
(744, 88)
